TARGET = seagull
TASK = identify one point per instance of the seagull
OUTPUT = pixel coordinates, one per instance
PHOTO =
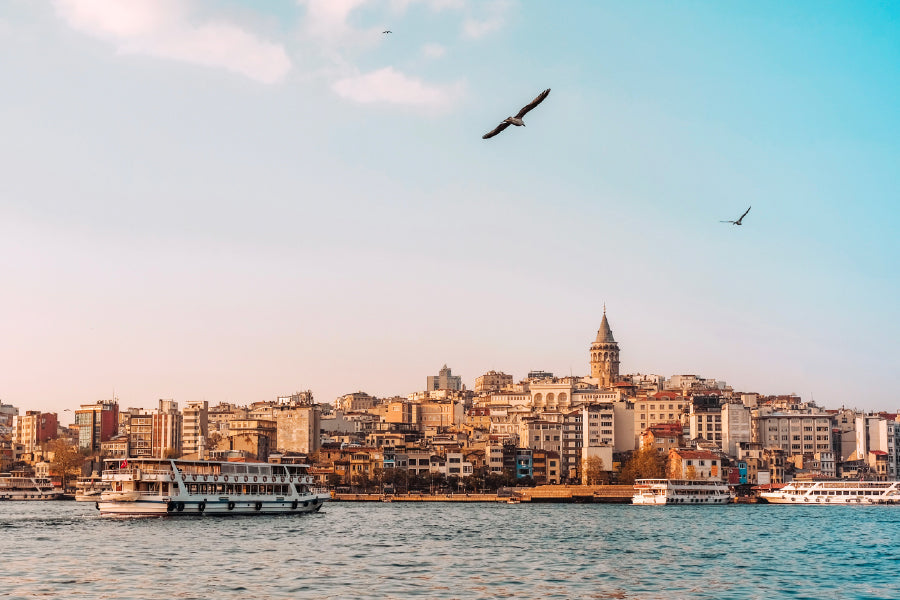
(387, 31)
(517, 120)
(738, 222)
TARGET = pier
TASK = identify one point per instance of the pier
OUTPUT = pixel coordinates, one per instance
(608, 494)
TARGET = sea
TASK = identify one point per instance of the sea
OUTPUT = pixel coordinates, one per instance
(455, 550)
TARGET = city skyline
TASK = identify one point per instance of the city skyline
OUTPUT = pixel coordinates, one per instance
(229, 202)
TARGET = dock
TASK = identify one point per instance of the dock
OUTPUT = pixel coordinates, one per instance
(606, 494)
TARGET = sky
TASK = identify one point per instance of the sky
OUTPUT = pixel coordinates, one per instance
(232, 201)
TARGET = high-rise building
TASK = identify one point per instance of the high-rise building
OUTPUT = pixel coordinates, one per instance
(97, 423)
(444, 380)
(605, 355)
(167, 430)
(195, 427)
(34, 428)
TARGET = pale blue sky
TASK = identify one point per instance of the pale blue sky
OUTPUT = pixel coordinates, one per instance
(232, 200)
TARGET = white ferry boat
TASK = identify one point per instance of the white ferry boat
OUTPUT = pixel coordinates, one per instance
(835, 492)
(157, 487)
(17, 487)
(680, 491)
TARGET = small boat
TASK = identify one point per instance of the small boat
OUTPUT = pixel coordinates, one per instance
(27, 487)
(169, 487)
(680, 491)
(88, 489)
(835, 492)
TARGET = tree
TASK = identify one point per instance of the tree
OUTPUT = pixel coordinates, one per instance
(643, 464)
(67, 460)
(593, 471)
(213, 440)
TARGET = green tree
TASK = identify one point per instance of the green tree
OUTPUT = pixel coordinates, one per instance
(67, 461)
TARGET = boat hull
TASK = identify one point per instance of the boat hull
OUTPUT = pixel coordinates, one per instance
(166, 507)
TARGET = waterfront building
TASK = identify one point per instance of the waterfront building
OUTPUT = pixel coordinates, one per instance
(115, 447)
(693, 464)
(604, 355)
(736, 426)
(444, 380)
(97, 423)
(492, 381)
(419, 461)
(140, 435)
(598, 423)
(195, 428)
(797, 432)
(33, 429)
(545, 467)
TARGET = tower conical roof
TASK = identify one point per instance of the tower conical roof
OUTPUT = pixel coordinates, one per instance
(604, 334)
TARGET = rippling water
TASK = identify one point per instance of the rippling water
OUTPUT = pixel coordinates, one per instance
(400, 550)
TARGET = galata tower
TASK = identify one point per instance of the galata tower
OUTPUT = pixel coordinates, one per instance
(605, 355)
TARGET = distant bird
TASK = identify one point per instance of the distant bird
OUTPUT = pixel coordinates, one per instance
(387, 31)
(517, 120)
(738, 222)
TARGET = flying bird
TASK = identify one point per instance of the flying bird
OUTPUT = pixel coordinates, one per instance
(741, 218)
(517, 120)
(387, 31)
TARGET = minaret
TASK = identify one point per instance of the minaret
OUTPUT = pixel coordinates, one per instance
(605, 355)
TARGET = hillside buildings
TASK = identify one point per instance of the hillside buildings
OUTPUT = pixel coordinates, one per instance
(542, 428)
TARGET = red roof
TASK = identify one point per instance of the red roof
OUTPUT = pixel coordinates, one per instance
(666, 395)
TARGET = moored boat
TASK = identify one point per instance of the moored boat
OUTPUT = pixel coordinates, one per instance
(660, 492)
(25, 487)
(159, 487)
(88, 489)
(835, 492)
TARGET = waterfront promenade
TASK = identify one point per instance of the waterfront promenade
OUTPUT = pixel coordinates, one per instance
(609, 494)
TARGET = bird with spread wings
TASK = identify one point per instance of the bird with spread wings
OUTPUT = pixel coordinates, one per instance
(517, 120)
(741, 218)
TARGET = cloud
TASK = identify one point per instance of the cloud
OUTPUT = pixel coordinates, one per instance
(433, 50)
(166, 29)
(328, 18)
(393, 87)
(494, 18)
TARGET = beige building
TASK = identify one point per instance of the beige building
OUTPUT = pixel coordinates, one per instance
(195, 428)
(298, 429)
(795, 432)
(492, 381)
(693, 464)
(355, 402)
(255, 437)
(662, 407)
